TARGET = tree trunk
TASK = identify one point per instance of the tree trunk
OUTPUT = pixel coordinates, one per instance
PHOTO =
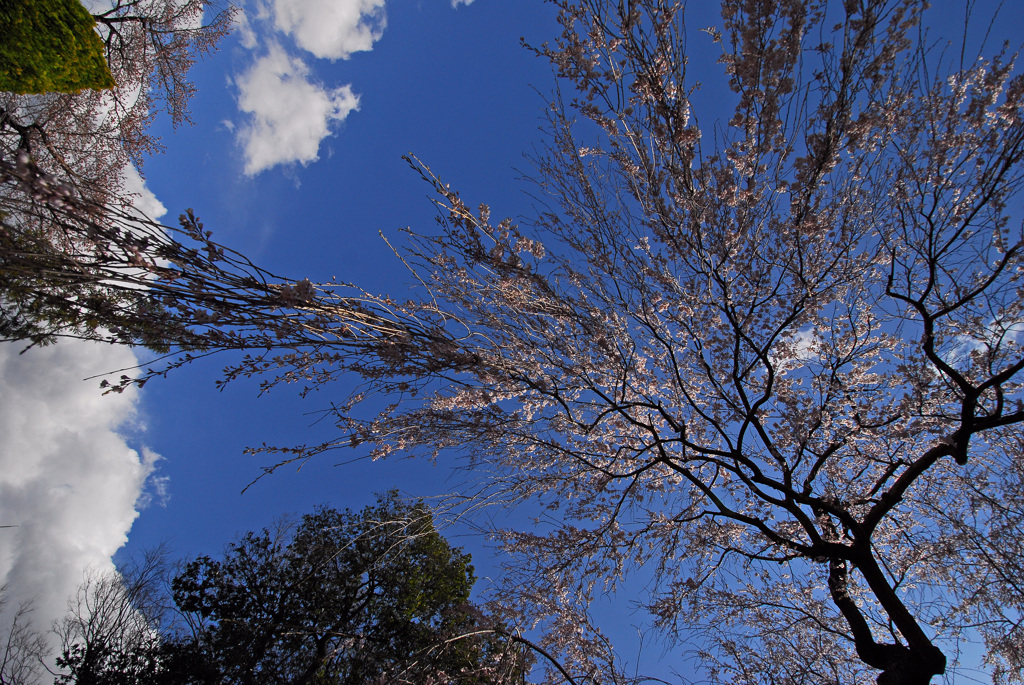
(906, 666)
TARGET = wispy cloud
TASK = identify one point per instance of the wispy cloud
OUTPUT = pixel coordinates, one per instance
(70, 482)
(291, 114)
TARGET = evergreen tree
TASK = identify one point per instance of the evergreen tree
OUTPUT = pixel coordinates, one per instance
(50, 46)
(339, 598)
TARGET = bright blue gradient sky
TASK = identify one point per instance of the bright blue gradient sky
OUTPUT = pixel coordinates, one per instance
(451, 85)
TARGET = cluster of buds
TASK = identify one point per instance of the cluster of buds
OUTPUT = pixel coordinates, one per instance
(37, 184)
(302, 292)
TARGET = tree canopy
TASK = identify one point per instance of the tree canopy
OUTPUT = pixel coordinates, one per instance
(50, 46)
(337, 597)
(111, 634)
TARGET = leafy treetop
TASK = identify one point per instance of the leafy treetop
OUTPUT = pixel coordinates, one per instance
(50, 46)
(338, 597)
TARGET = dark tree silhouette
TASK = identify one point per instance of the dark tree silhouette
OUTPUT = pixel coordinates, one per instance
(337, 598)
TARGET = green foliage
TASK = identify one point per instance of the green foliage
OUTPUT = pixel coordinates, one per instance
(50, 46)
(342, 598)
(338, 598)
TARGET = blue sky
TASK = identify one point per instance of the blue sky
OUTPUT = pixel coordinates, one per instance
(295, 160)
(452, 85)
(301, 120)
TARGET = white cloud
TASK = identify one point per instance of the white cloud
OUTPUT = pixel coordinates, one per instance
(245, 31)
(290, 113)
(332, 29)
(145, 201)
(69, 481)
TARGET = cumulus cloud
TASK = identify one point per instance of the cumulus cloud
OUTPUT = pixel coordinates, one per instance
(290, 113)
(143, 198)
(332, 29)
(69, 480)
